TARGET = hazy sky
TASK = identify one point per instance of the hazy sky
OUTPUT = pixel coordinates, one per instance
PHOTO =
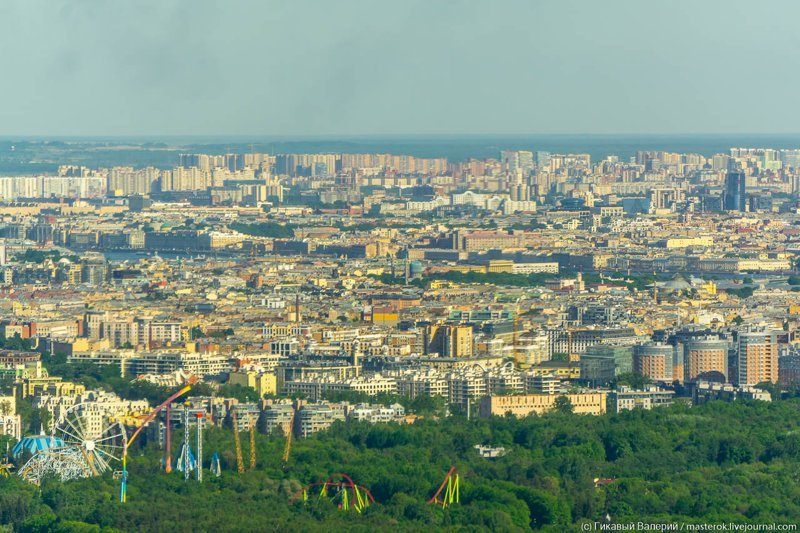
(321, 67)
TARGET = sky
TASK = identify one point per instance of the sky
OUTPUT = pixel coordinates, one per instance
(385, 67)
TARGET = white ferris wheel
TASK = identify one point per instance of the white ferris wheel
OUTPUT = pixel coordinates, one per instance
(86, 441)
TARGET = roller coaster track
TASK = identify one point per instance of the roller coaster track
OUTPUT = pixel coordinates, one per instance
(450, 486)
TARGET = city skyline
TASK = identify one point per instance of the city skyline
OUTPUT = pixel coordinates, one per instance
(323, 302)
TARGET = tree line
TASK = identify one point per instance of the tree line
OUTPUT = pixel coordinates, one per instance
(716, 462)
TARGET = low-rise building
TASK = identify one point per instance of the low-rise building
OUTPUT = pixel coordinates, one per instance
(317, 417)
(47, 386)
(625, 398)
(377, 413)
(263, 382)
(588, 403)
(277, 416)
(703, 391)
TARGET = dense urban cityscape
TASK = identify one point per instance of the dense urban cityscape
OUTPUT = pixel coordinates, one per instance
(279, 296)
(399, 266)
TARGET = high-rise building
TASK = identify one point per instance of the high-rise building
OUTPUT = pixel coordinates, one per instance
(513, 160)
(789, 370)
(706, 359)
(654, 360)
(125, 181)
(94, 270)
(720, 162)
(734, 190)
(184, 179)
(758, 358)
(449, 340)
(602, 362)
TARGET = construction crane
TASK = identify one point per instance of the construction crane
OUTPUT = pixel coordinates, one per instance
(287, 448)
(253, 445)
(238, 442)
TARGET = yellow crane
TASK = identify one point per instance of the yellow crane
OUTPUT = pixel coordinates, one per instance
(287, 448)
(239, 458)
(253, 445)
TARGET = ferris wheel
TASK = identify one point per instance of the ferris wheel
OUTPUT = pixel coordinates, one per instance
(87, 441)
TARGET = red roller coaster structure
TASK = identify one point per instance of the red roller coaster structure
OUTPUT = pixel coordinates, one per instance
(450, 486)
(341, 489)
(123, 490)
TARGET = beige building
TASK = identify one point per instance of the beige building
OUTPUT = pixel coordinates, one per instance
(262, 382)
(50, 386)
(485, 240)
(763, 265)
(685, 242)
(535, 268)
(592, 403)
(449, 340)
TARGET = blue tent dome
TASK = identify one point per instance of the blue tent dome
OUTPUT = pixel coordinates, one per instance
(35, 443)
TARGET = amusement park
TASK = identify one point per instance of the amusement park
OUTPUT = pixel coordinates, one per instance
(89, 443)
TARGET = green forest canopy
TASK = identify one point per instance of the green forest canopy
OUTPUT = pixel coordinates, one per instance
(718, 462)
(265, 229)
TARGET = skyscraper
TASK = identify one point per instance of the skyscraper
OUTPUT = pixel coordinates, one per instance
(734, 190)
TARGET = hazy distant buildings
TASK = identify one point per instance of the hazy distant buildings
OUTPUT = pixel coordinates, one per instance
(513, 160)
(486, 331)
(184, 179)
(125, 181)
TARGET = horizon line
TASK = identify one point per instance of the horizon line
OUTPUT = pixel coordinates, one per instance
(326, 136)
